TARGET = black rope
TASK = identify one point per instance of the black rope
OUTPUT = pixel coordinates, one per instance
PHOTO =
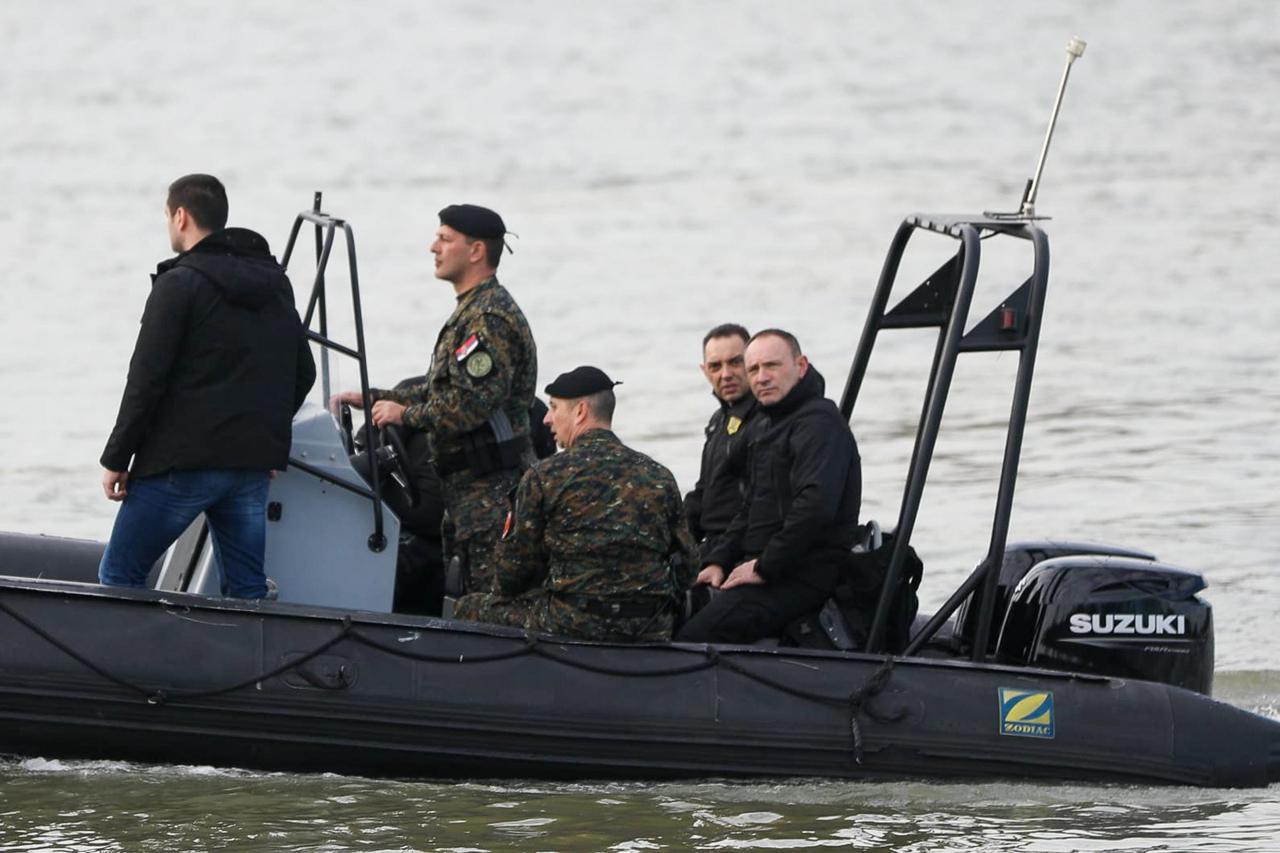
(711, 657)
(70, 652)
(873, 685)
(799, 693)
(427, 658)
(698, 666)
(160, 697)
(532, 646)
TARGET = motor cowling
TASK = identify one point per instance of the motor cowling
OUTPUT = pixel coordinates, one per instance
(1019, 558)
(1116, 616)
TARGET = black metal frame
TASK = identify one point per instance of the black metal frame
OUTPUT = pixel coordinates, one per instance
(943, 300)
(326, 227)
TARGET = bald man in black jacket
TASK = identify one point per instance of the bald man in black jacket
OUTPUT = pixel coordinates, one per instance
(799, 519)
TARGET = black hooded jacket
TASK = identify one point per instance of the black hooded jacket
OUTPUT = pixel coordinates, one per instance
(722, 479)
(220, 366)
(800, 515)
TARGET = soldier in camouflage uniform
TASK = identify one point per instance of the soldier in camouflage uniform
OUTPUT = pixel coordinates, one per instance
(474, 405)
(597, 529)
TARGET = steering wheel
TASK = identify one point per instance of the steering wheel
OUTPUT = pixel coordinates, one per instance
(393, 458)
(345, 429)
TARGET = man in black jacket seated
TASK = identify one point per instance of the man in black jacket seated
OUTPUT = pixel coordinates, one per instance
(220, 366)
(799, 519)
(722, 478)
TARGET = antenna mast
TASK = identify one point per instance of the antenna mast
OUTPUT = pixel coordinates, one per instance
(1075, 50)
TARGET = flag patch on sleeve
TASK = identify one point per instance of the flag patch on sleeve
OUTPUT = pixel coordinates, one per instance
(468, 347)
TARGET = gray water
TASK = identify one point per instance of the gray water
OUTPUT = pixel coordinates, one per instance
(669, 166)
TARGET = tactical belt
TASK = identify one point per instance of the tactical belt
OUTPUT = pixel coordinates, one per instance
(492, 447)
(624, 608)
(452, 463)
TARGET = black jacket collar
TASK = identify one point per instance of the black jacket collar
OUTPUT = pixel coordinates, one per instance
(740, 408)
(239, 242)
(239, 263)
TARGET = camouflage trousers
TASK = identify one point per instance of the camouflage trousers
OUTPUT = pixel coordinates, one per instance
(478, 554)
(538, 611)
(477, 509)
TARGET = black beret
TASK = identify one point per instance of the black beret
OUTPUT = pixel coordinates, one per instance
(580, 382)
(473, 220)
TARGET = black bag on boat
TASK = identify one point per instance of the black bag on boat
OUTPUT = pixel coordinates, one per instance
(859, 590)
(845, 621)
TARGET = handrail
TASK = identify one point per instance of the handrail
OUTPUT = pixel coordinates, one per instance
(326, 228)
(943, 300)
(1038, 284)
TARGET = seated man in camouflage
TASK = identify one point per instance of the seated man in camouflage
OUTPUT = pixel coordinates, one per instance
(588, 549)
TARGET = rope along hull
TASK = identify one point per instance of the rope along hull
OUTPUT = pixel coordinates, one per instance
(93, 673)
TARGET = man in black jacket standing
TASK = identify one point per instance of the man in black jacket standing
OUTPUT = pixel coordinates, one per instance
(220, 366)
(798, 522)
(722, 478)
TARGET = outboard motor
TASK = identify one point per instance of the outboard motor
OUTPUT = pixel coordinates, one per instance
(1019, 557)
(1116, 616)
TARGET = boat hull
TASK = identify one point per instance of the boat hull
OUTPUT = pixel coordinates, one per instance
(90, 672)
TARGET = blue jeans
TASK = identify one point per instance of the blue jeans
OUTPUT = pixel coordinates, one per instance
(157, 509)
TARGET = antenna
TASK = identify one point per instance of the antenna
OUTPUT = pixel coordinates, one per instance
(1075, 50)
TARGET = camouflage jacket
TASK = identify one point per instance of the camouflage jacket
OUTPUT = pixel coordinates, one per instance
(598, 519)
(484, 359)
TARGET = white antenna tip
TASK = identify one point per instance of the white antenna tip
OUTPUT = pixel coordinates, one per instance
(1076, 47)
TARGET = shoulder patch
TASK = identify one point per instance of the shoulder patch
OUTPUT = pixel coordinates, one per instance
(479, 364)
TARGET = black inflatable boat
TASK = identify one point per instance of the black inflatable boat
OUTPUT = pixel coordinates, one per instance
(1054, 659)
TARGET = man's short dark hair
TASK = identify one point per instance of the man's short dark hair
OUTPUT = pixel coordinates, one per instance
(602, 404)
(493, 247)
(726, 330)
(204, 198)
(792, 343)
